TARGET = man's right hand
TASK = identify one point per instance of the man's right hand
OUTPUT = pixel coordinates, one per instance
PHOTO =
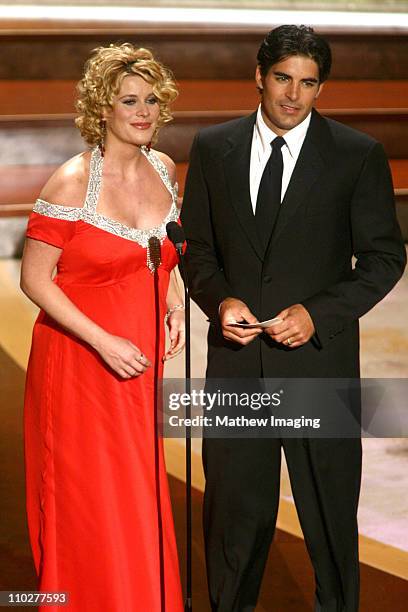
(234, 311)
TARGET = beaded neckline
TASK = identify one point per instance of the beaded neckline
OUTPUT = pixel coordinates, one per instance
(89, 214)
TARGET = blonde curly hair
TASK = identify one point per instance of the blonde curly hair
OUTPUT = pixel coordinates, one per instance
(104, 72)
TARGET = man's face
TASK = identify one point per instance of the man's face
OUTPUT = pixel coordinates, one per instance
(289, 91)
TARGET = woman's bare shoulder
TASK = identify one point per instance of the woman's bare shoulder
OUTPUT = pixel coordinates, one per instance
(67, 186)
(169, 163)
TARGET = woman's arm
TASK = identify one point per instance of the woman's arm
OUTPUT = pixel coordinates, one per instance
(175, 318)
(39, 261)
(175, 314)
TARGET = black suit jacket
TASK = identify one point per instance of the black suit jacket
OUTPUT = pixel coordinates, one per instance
(339, 204)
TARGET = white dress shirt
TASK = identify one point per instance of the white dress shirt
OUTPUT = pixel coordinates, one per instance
(261, 151)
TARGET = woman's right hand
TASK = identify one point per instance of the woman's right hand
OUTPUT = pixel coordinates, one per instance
(122, 356)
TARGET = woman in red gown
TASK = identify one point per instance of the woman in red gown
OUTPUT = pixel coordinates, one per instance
(98, 505)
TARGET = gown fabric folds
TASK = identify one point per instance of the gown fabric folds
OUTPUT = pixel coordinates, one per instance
(98, 529)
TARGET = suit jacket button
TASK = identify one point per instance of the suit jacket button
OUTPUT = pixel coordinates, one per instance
(267, 279)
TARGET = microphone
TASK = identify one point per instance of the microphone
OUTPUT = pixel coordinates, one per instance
(175, 234)
(154, 254)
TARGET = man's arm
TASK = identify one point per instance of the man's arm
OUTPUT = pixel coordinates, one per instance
(377, 246)
(209, 287)
(207, 281)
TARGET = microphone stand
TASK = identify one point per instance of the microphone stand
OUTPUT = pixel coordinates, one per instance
(188, 603)
(155, 259)
(176, 236)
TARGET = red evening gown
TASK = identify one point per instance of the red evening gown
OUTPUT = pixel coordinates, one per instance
(98, 530)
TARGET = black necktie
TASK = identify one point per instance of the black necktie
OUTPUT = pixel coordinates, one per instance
(269, 195)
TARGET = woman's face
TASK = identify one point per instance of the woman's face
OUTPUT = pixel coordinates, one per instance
(134, 114)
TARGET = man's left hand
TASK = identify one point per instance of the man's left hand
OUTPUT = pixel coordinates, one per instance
(295, 329)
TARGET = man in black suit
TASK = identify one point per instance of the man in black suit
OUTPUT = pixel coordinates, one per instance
(276, 205)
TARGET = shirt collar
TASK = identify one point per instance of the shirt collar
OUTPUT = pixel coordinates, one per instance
(294, 138)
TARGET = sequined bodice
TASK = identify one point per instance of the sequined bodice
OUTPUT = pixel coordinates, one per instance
(88, 213)
(91, 251)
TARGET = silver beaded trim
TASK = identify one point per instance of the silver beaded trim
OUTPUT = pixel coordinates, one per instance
(162, 170)
(95, 180)
(89, 215)
(55, 211)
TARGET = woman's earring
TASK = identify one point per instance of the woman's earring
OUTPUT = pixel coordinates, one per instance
(102, 142)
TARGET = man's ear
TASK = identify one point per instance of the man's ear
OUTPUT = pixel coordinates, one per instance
(258, 79)
(319, 90)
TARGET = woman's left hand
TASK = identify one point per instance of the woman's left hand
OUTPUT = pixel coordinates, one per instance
(177, 333)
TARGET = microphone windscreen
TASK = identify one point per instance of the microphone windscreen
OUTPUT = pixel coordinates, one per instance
(175, 233)
(154, 254)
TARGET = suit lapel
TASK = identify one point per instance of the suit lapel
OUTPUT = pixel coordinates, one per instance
(236, 163)
(310, 164)
(308, 167)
